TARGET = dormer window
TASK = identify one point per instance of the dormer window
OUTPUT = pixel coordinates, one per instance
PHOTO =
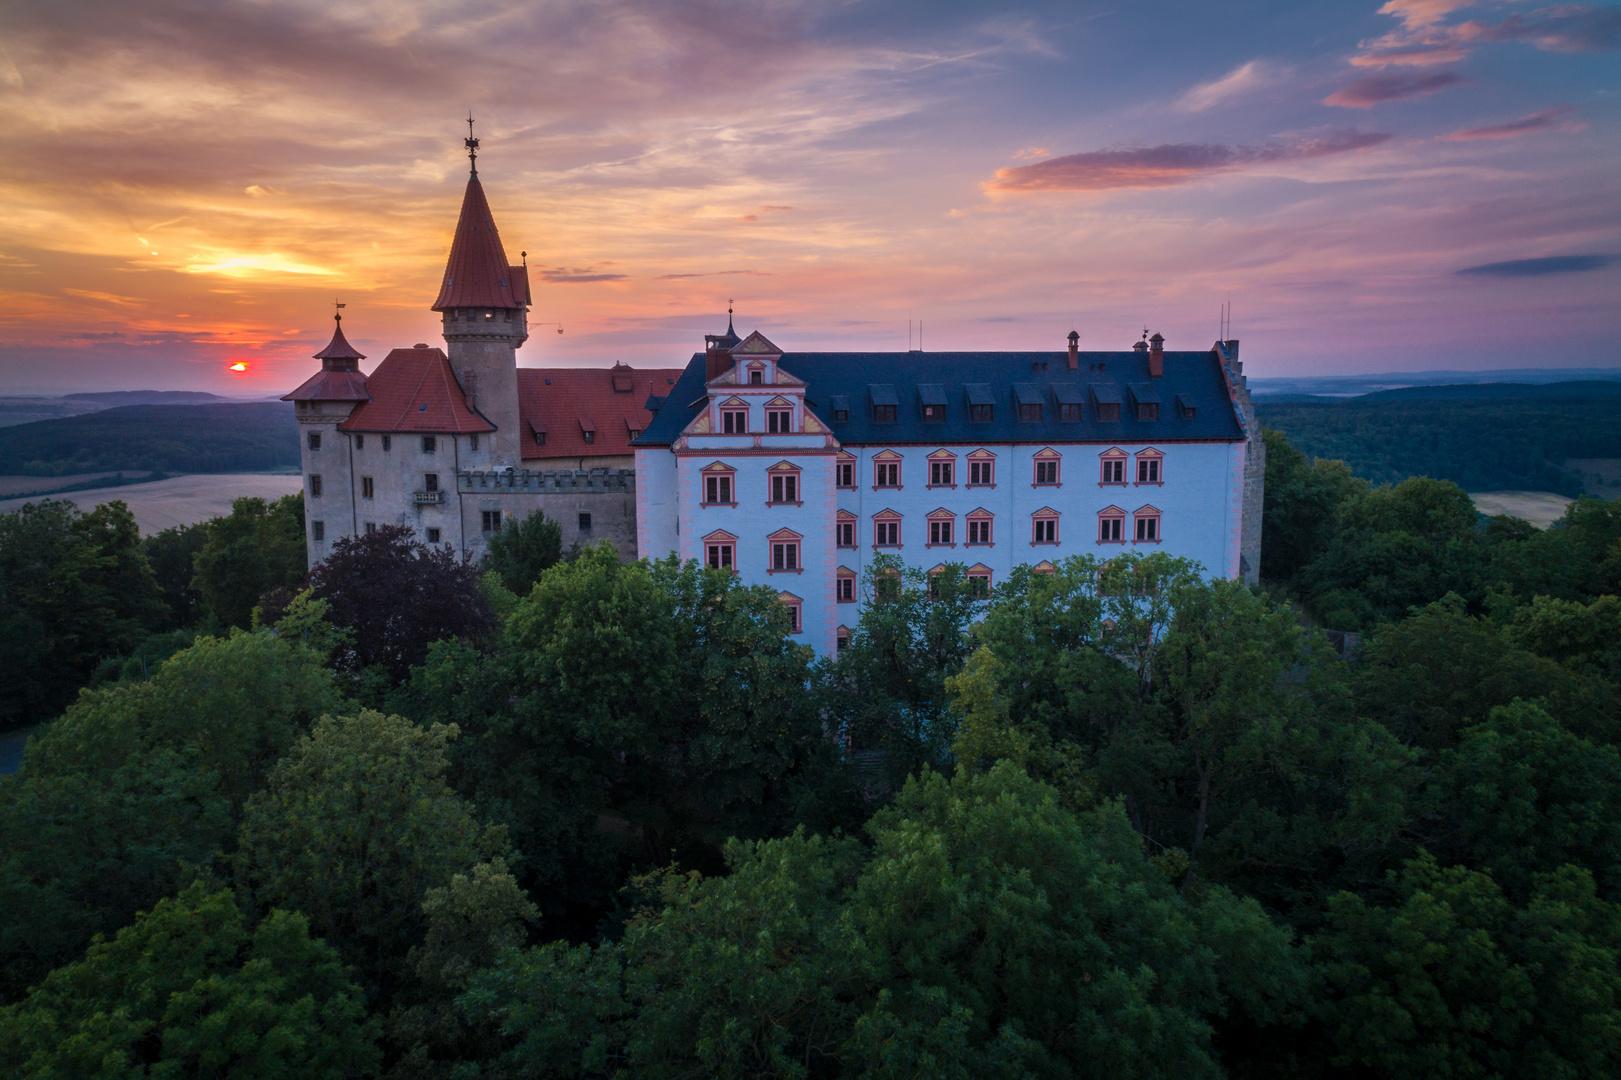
(1144, 401)
(884, 403)
(1028, 399)
(934, 413)
(588, 435)
(932, 396)
(841, 408)
(981, 403)
(757, 374)
(1108, 412)
(1185, 408)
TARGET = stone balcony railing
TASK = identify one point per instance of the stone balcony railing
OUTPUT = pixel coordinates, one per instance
(536, 480)
(428, 498)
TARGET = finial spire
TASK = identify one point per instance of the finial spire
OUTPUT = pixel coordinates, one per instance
(472, 143)
(729, 329)
(337, 311)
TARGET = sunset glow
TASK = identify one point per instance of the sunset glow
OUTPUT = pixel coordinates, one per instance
(179, 188)
(239, 366)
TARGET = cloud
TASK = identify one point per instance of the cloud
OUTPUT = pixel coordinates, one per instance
(1243, 79)
(1371, 90)
(1559, 118)
(713, 273)
(1553, 264)
(1168, 165)
(1426, 38)
(578, 275)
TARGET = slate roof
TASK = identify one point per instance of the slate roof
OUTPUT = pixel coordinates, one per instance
(415, 390)
(331, 386)
(562, 401)
(477, 273)
(1194, 377)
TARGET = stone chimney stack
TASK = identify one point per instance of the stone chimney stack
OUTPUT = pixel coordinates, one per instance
(1074, 351)
(1156, 356)
(717, 358)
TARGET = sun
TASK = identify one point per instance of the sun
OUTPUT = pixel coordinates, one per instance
(239, 366)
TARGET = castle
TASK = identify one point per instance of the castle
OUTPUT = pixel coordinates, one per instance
(792, 470)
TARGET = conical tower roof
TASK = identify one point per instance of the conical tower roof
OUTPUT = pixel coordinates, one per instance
(339, 348)
(477, 274)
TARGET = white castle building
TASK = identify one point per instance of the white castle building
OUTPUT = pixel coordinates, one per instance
(792, 470)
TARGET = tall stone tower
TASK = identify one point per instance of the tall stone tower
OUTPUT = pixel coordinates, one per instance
(484, 303)
(324, 401)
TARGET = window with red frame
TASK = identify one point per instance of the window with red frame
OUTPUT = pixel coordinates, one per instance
(980, 529)
(982, 471)
(720, 551)
(886, 472)
(844, 586)
(886, 531)
(796, 612)
(779, 421)
(734, 420)
(1145, 524)
(943, 471)
(1148, 469)
(1111, 527)
(844, 471)
(1044, 527)
(784, 485)
(1046, 474)
(979, 582)
(718, 490)
(785, 552)
(1113, 469)
(844, 529)
(942, 530)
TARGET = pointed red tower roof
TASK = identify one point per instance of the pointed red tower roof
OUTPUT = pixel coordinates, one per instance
(339, 348)
(477, 274)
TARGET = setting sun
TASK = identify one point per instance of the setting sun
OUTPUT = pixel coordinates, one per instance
(238, 366)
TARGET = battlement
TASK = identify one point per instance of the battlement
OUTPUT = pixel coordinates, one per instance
(489, 482)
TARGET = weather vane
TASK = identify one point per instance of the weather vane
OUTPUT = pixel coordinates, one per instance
(472, 142)
(337, 306)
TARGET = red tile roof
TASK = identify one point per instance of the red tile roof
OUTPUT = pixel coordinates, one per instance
(415, 390)
(565, 402)
(477, 273)
(331, 386)
(339, 348)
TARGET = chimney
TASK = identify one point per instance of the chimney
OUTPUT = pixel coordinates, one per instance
(1074, 351)
(1156, 356)
(717, 356)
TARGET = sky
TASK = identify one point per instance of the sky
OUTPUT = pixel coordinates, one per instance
(1373, 186)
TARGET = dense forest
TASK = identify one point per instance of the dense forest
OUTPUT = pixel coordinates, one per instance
(561, 815)
(253, 437)
(1487, 437)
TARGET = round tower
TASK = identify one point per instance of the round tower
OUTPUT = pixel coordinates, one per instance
(484, 305)
(323, 402)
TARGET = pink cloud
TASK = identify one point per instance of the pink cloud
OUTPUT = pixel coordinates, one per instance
(1559, 118)
(1371, 90)
(1167, 165)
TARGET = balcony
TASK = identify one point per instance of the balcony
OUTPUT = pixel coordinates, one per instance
(428, 498)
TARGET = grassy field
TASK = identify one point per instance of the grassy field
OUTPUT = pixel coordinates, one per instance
(1540, 508)
(179, 500)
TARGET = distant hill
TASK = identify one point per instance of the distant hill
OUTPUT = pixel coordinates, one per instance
(1484, 437)
(251, 437)
(146, 397)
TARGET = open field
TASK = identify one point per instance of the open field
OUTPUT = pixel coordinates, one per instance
(1540, 508)
(180, 500)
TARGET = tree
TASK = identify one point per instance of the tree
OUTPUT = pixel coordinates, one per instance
(74, 588)
(172, 553)
(355, 825)
(136, 786)
(524, 549)
(254, 549)
(986, 931)
(396, 596)
(1302, 506)
(887, 689)
(1450, 978)
(195, 989)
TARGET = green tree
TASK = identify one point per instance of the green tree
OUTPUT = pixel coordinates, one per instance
(1451, 978)
(135, 786)
(74, 588)
(887, 689)
(986, 931)
(1301, 508)
(195, 989)
(524, 549)
(256, 548)
(172, 553)
(354, 826)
